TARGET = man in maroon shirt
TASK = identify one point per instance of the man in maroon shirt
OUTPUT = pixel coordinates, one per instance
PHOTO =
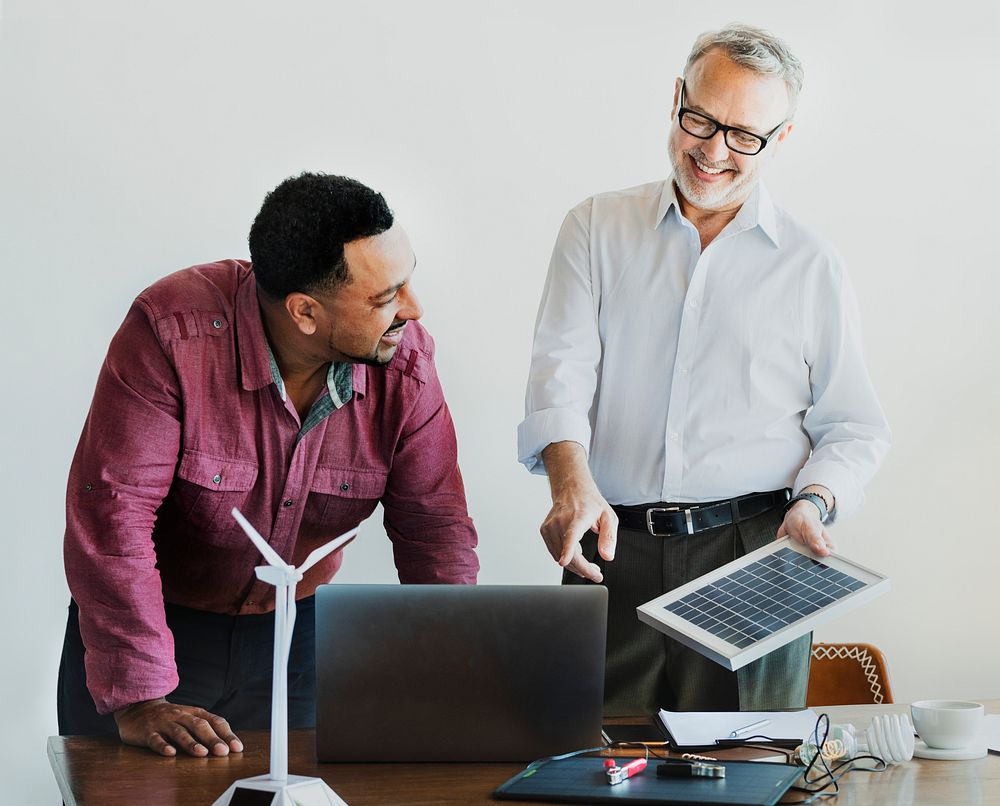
(298, 387)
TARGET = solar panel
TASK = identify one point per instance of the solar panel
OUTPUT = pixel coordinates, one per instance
(762, 601)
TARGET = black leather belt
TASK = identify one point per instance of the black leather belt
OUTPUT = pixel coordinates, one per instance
(664, 520)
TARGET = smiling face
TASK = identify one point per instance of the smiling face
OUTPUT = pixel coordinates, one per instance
(708, 174)
(362, 320)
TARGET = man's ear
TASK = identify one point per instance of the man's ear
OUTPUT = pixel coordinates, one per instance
(785, 131)
(303, 311)
(677, 97)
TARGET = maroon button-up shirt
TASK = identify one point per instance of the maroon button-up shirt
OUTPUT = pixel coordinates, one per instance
(187, 422)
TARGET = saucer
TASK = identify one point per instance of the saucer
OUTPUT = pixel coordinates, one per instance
(921, 750)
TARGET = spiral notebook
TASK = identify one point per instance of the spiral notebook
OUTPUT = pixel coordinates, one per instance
(694, 730)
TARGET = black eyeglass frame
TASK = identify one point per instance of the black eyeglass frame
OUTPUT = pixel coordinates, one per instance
(682, 110)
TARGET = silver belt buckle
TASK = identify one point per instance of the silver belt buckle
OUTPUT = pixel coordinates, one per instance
(649, 520)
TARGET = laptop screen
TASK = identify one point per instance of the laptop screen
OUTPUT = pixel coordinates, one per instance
(458, 672)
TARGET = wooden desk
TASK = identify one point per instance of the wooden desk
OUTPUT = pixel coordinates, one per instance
(92, 770)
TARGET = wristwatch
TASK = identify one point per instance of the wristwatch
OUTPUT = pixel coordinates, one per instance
(818, 500)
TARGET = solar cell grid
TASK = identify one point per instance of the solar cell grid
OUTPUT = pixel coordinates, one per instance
(764, 597)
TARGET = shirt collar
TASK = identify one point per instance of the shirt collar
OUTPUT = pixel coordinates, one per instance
(757, 211)
(339, 377)
(668, 199)
(359, 380)
(255, 355)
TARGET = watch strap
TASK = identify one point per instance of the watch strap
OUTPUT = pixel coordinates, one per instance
(816, 499)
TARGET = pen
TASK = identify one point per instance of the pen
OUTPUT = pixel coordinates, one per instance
(751, 726)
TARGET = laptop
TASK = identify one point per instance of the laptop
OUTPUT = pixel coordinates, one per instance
(458, 672)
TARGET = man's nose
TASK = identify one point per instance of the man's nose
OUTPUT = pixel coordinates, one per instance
(715, 148)
(411, 307)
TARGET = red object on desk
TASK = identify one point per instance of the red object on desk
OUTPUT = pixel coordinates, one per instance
(618, 774)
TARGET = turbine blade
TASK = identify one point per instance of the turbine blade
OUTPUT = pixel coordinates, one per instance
(318, 554)
(262, 545)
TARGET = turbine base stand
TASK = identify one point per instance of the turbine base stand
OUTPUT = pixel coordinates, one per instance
(296, 790)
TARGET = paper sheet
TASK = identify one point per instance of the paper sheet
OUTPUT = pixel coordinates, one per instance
(701, 728)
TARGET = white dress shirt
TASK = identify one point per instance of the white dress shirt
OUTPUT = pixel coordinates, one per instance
(694, 376)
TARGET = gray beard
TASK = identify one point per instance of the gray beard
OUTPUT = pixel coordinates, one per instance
(701, 197)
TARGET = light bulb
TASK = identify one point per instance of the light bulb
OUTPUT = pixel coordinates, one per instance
(889, 737)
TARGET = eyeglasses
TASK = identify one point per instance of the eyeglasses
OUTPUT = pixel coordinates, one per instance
(704, 128)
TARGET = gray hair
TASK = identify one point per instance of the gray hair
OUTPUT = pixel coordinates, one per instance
(756, 50)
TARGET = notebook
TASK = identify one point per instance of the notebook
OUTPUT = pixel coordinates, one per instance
(458, 672)
(692, 730)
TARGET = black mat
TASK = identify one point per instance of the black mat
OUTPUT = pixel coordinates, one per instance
(583, 780)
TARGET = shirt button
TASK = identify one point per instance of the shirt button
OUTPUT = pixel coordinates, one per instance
(251, 603)
(682, 370)
(217, 324)
(288, 502)
(693, 303)
(217, 479)
(673, 436)
(345, 486)
(88, 486)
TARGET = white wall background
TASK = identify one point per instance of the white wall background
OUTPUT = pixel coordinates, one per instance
(140, 137)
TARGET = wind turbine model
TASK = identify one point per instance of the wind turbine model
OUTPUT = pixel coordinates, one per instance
(287, 790)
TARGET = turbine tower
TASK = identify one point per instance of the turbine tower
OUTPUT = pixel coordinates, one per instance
(287, 790)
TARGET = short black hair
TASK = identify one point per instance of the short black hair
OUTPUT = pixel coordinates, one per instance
(297, 239)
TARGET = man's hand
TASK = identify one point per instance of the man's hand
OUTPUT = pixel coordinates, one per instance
(802, 523)
(577, 505)
(165, 728)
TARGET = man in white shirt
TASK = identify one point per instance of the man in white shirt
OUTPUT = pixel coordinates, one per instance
(697, 361)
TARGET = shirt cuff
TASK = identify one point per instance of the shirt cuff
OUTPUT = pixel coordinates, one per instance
(541, 428)
(848, 493)
(127, 684)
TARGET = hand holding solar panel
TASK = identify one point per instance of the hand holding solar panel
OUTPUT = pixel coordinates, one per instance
(802, 523)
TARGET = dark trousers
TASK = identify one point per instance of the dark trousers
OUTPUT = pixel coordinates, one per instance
(224, 664)
(646, 670)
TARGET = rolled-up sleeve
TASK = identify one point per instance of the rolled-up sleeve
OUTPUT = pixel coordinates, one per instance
(562, 379)
(121, 472)
(846, 425)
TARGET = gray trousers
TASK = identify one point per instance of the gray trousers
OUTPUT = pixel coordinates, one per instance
(646, 670)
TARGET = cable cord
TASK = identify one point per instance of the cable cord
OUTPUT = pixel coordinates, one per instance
(818, 785)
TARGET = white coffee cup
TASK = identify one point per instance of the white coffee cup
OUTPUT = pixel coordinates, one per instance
(947, 724)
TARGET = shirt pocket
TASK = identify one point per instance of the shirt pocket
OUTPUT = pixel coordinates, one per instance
(343, 496)
(208, 490)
